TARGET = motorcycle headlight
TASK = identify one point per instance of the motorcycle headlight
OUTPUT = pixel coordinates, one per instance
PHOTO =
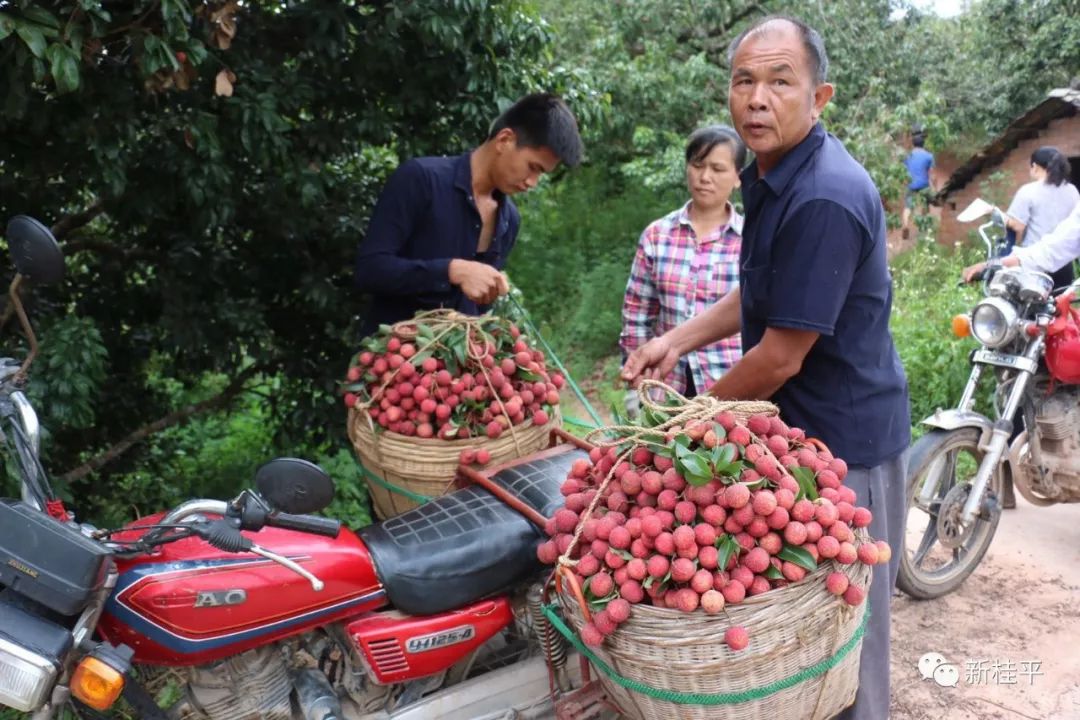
(994, 322)
(26, 678)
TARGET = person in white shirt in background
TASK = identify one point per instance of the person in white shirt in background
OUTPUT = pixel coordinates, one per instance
(1040, 205)
(1055, 250)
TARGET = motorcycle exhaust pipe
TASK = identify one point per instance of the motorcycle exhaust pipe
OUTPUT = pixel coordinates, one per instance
(316, 698)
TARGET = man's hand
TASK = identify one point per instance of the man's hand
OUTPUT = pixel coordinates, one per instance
(480, 282)
(653, 360)
(972, 270)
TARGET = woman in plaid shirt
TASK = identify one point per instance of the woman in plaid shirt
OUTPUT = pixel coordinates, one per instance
(689, 259)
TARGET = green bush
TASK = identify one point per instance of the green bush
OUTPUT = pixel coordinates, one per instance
(925, 298)
(573, 257)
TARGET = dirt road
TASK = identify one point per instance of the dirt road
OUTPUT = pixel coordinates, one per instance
(1012, 630)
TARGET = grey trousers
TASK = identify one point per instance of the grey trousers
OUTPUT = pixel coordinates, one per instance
(882, 490)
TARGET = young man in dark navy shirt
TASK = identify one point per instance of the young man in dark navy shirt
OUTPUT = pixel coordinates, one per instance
(814, 300)
(443, 227)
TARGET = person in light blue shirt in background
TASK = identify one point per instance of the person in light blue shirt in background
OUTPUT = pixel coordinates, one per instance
(920, 185)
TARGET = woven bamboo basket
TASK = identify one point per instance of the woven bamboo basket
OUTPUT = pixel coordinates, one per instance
(793, 631)
(427, 466)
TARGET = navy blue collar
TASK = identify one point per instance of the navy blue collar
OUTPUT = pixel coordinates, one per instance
(463, 179)
(780, 176)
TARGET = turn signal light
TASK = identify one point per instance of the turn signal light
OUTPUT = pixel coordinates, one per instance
(961, 326)
(96, 684)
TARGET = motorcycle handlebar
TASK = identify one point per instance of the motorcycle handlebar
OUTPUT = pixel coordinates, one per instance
(305, 523)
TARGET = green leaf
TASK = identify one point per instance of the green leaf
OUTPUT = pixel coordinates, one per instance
(528, 375)
(64, 68)
(617, 415)
(695, 469)
(654, 417)
(425, 332)
(661, 450)
(727, 547)
(33, 37)
(41, 16)
(420, 357)
(799, 556)
(683, 439)
(7, 25)
(722, 455)
(807, 486)
(772, 573)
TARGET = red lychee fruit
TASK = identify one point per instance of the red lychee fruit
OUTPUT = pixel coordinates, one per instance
(657, 566)
(601, 584)
(734, 592)
(757, 560)
(828, 546)
(618, 610)
(591, 636)
(687, 600)
(736, 496)
(682, 570)
(632, 591)
(712, 601)
(736, 637)
(764, 502)
(868, 553)
(847, 554)
(837, 583)
(854, 595)
(547, 552)
(702, 581)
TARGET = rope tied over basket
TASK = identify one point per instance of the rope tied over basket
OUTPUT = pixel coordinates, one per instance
(680, 412)
(441, 322)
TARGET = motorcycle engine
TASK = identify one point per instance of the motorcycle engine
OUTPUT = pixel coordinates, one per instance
(1057, 432)
(251, 686)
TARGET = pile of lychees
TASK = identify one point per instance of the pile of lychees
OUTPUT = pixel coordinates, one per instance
(447, 380)
(710, 513)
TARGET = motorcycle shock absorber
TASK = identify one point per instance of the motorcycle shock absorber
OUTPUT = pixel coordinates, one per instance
(552, 642)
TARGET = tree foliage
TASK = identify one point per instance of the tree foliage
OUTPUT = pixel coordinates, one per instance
(209, 168)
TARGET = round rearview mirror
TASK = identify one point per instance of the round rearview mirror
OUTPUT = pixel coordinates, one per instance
(34, 251)
(294, 486)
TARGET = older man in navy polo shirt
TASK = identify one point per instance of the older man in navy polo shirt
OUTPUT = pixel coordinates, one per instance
(443, 227)
(814, 299)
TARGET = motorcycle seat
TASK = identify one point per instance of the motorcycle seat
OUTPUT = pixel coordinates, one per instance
(468, 544)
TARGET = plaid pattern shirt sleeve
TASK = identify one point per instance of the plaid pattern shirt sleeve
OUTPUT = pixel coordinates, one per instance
(641, 303)
(676, 276)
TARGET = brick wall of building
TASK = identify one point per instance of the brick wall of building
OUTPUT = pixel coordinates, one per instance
(1063, 133)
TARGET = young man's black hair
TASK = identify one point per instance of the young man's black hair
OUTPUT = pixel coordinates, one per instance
(543, 120)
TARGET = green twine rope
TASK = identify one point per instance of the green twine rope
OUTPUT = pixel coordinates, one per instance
(709, 699)
(555, 358)
(415, 497)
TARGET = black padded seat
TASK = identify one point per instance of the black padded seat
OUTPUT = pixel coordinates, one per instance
(466, 545)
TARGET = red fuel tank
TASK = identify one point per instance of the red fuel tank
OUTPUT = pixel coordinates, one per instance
(190, 603)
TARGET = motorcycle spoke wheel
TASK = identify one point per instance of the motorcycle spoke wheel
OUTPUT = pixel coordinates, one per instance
(945, 462)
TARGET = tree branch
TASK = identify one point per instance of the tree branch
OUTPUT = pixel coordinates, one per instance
(695, 33)
(69, 223)
(226, 396)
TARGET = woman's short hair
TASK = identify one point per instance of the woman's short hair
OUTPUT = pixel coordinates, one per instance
(703, 140)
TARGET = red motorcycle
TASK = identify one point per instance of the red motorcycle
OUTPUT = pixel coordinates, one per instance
(269, 612)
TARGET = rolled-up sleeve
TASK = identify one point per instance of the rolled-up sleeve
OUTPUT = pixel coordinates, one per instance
(381, 263)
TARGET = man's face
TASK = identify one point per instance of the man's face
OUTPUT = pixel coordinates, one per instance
(774, 99)
(518, 168)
